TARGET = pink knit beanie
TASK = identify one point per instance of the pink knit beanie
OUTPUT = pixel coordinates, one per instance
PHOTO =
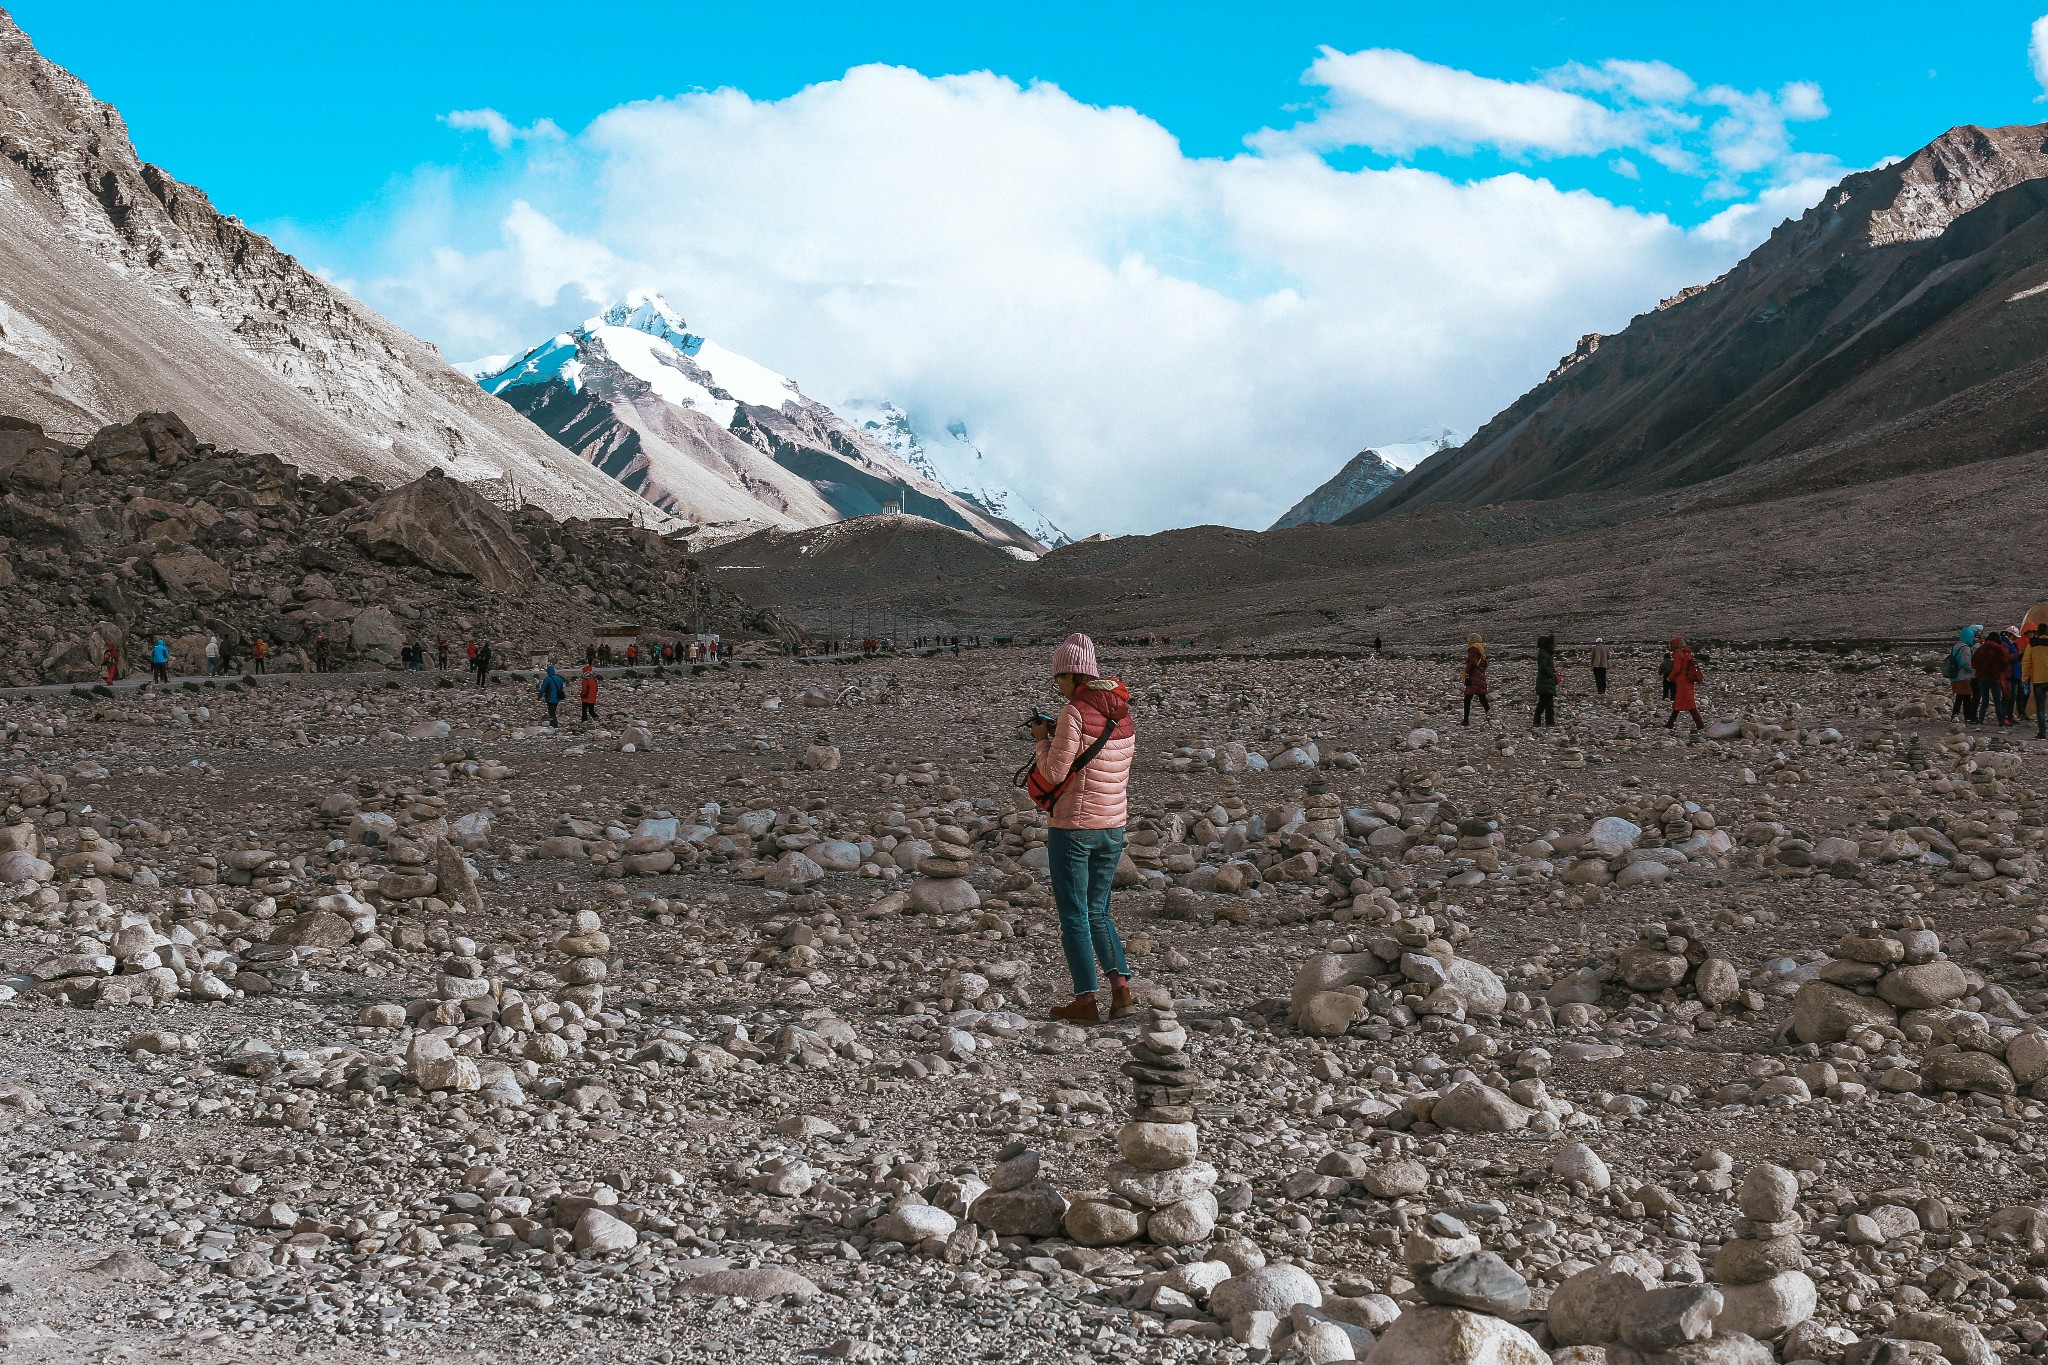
(1076, 654)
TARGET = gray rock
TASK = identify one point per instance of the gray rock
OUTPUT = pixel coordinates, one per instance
(1267, 1289)
(1482, 1282)
(1666, 1319)
(1454, 1336)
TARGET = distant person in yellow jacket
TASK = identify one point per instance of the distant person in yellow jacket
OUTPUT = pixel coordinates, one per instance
(2034, 676)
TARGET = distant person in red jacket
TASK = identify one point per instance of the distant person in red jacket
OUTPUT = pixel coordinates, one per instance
(111, 657)
(1682, 678)
(1990, 663)
(589, 693)
(1475, 677)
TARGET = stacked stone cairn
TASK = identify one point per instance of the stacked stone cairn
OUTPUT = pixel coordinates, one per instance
(1675, 956)
(1765, 1289)
(587, 946)
(1876, 973)
(1160, 1190)
(943, 888)
(1888, 987)
(1467, 1295)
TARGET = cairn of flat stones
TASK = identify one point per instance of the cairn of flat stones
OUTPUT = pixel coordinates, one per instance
(1160, 1190)
(1675, 955)
(1876, 972)
(463, 992)
(1467, 1296)
(943, 888)
(1765, 1289)
(586, 945)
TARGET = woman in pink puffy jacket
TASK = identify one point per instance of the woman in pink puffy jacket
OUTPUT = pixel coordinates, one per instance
(1086, 835)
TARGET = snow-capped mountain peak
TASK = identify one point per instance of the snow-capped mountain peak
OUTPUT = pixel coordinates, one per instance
(714, 436)
(649, 313)
(953, 462)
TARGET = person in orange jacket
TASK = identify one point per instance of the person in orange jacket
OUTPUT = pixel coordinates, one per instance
(260, 652)
(1684, 676)
(589, 693)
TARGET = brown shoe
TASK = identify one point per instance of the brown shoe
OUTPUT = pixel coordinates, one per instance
(1120, 1002)
(1082, 1009)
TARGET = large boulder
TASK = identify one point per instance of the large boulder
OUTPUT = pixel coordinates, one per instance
(436, 522)
(374, 634)
(188, 573)
(153, 441)
(1824, 1013)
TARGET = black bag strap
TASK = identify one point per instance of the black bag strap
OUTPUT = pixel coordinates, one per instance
(1087, 755)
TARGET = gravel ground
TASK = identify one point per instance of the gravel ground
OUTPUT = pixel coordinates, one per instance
(246, 1112)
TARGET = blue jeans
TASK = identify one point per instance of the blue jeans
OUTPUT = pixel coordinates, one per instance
(1083, 867)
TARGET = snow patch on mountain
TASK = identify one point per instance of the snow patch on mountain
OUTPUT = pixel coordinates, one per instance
(952, 461)
(1364, 477)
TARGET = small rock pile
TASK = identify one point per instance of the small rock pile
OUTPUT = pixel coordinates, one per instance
(943, 888)
(1397, 975)
(1468, 1295)
(1875, 973)
(1766, 1291)
(587, 946)
(1675, 956)
(1160, 1190)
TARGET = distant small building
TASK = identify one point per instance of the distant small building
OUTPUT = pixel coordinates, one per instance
(615, 635)
(892, 509)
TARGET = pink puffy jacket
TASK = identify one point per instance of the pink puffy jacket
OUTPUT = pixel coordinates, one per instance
(1099, 795)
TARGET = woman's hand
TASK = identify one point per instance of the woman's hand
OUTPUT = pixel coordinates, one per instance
(1040, 728)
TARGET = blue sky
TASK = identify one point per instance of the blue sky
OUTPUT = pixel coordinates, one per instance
(307, 112)
(1320, 226)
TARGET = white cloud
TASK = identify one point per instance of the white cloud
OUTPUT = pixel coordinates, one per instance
(502, 131)
(1397, 104)
(1139, 338)
(2037, 53)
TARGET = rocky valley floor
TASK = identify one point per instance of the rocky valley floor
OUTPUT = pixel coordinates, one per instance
(357, 1021)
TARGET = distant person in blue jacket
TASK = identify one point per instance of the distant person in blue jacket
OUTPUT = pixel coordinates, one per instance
(160, 661)
(552, 689)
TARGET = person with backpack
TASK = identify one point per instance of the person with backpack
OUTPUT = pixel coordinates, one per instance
(212, 655)
(1988, 663)
(259, 654)
(1684, 677)
(1961, 675)
(552, 689)
(1603, 653)
(441, 652)
(589, 694)
(160, 661)
(1475, 677)
(1546, 683)
(1080, 776)
(320, 653)
(483, 665)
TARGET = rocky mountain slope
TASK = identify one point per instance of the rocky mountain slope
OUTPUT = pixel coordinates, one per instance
(144, 531)
(714, 437)
(1899, 326)
(123, 289)
(1364, 477)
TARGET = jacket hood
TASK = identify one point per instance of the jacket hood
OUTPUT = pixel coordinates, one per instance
(1111, 700)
